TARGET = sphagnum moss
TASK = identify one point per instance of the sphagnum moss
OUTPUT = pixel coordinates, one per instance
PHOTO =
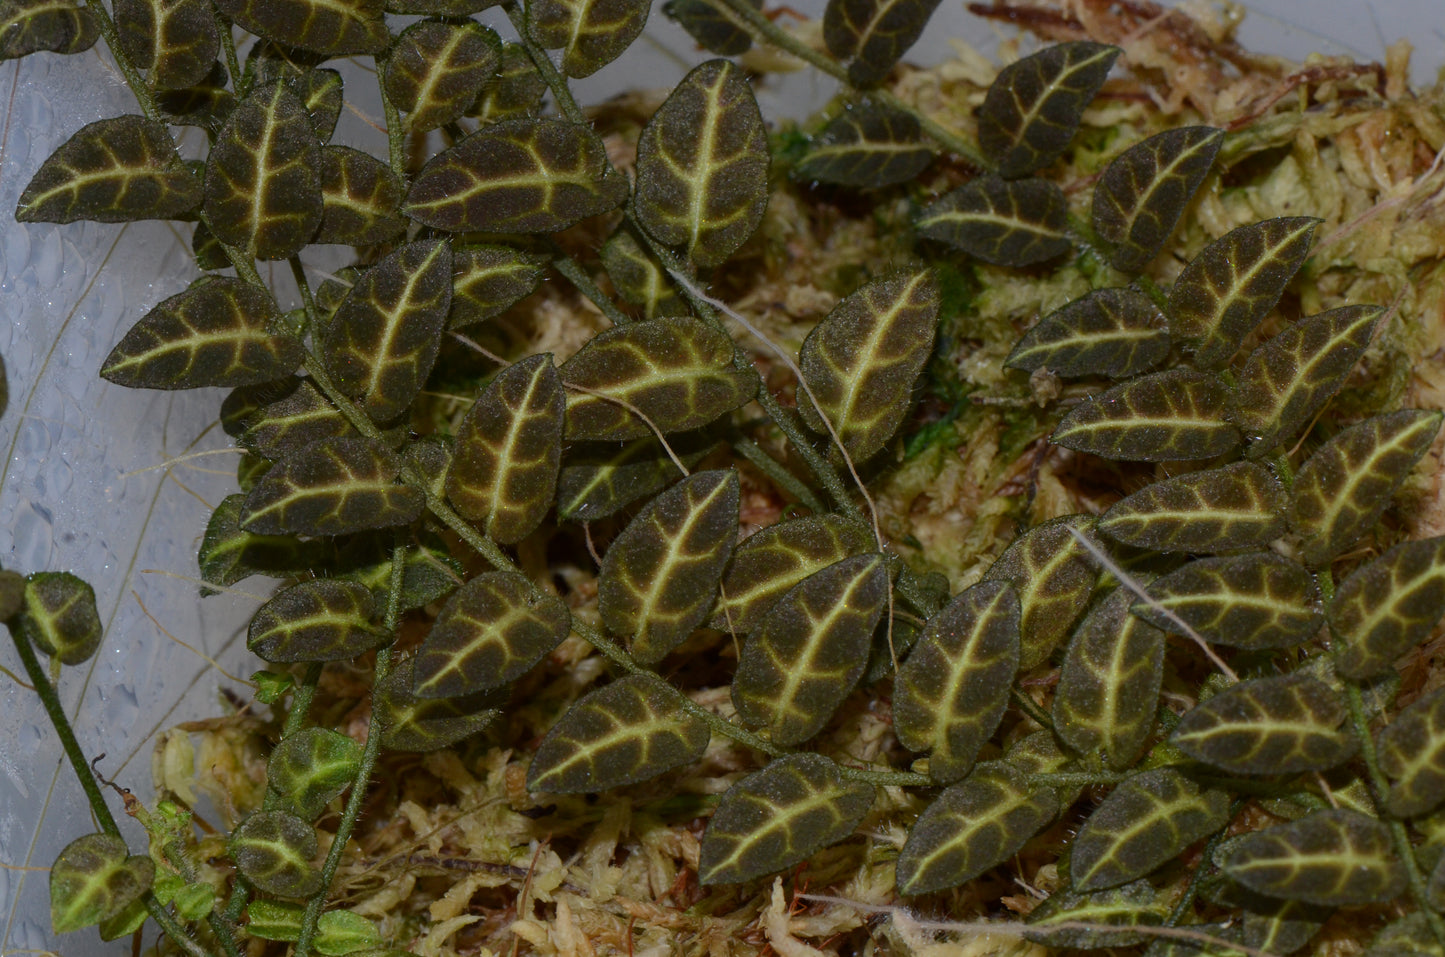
(1109, 369)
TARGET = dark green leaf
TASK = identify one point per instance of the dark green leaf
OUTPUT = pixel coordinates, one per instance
(678, 371)
(1344, 487)
(1169, 416)
(1234, 282)
(173, 41)
(274, 851)
(209, 253)
(1109, 683)
(705, 22)
(861, 361)
(321, 94)
(627, 732)
(12, 593)
(94, 878)
(1268, 726)
(52, 26)
(386, 333)
(590, 33)
(971, 828)
(1410, 936)
(1143, 192)
(428, 574)
(207, 104)
(301, 416)
(1033, 107)
(517, 176)
(59, 617)
(872, 35)
(509, 450)
(637, 276)
(1334, 857)
(318, 26)
(810, 649)
(660, 575)
(1388, 607)
(1271, 924)
(116, 170)
(1287, 379)
(439, 8)
(219, 332)
(417, 724)
(263, 176)
(515, 91)
(778, 816)
(599, 479)
(1149, 819)
(1238, 506)
(1253, 601)
(1133, 905)
(490, 632)
(1005, 222)
(437, 68)
(360, 196)
(486, 280)
(331, 488)
(702, 165)
(309, 768)
(319, 620)
(867, 146)
(1054, 576)
(950, 694)
(1412, 755)
(228, 554)
(1117, 333)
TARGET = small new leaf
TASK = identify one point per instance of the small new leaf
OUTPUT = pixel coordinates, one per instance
(1254, 601)
(1004, 222)
(1053, 575)
(319, 620)
(627, 732)
(309, 768)
(58, 616)
(1237, 506)
(486, 280)
(436, 69)
(331, 488)
(318, 26)
(1388, 607)
(117, 170)
(637, 276)
(1169, 416)
(360, 196)
(1117, 333)
(95, 878)
(274, 850)
(1335, 857)
(1268, 726)
(1412, 755)
(1032, 109)
(872, 35)
(702, 165)
(1143, 192)
(779, 816)
(867, 146)
(590, 33)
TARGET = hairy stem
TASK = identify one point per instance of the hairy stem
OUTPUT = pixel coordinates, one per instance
(555, 81)
(138, 88)
(778, 473)
(1031, 708)
(577, 276)
(228, 44)
(1206, 859)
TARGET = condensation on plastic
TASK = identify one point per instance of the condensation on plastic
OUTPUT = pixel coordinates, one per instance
(81, 490)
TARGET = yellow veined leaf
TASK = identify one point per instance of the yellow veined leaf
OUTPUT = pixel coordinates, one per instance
(1252, 601)
(515, 91)
(872, 35)
(331, 488)
(1387, 607)
(360, 196)
(317, 26)
(867, 146)
(309, 768)
(173, 41)
(53, 26)
(1170, 416)
(1334, 857)
(274, 850)
(1004, 222)
(436, 70)
(599, 479)
(1137, 904)
(94, 878)
(410, 723)
(1053, 575)
(1412, 755)
(319, 620)
(1236, 506)
(1268, 726)
(705, 22)
(58, 616)
(590, 33)
(487, 280)
(1118, 333)
(637, 276)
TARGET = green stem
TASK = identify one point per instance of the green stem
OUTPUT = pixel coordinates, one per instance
(1381, 788)
(308, 302)
(1071, 779)
(578, 277)
(132, 76)
(779, 475)
(1191, 892)
(1155, 294)
(395, 138)
(1031, 708)
(228, 44)
(555, 81)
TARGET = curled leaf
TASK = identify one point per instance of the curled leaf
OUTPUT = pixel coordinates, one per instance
(637, 276)
(599, 479)
(410, 723)
(705, 22)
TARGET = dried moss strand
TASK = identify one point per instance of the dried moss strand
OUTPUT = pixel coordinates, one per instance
(777, 473)
(577, 276)
(132, 76)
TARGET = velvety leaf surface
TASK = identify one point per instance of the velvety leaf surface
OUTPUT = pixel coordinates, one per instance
(207, 104)
(872, 35)
(94, 878)
(1143, 192)
(428, 572)
(487, 280)
(660, 575)
(676, 370)
(1032, 109)
(274, 850)
(299, 417)
(1335, 857)
(1236, 506)
(778, 557)
(702, 165)
(706, 23)
(776, 817)
(52, 26)
(263, 175)
(319, 620)
(59, 617)
(867, 146)
(1268, 726)
(638, 278)
(116, 170)
(437, 68)
(1410, 936)
(490, 632)
(1136, 904)
(599, 479)
(439, 8)
(1053, 575)
(219, 332)
(1148, 820)
(1273, 924)
(1387, 607)
(173, 41)
(1253, 601)
(515, 91)
(1412, 755)
(590, 33)
(1287, 379)
(228, 554)
(1226, 290)
(384, 338)
(517, 176)
(1004, 222)
(1343, 488)
(417, 724)
(1169, 416)
(509, 450)
(1117, 333)
(327, 27)
(320, 92)
(1108, 687)
(627, 732)
(861, 361)
(971, 828)
(810, 649)
(331, 488)
(309, 768)
(360, 196)
(950, 694)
